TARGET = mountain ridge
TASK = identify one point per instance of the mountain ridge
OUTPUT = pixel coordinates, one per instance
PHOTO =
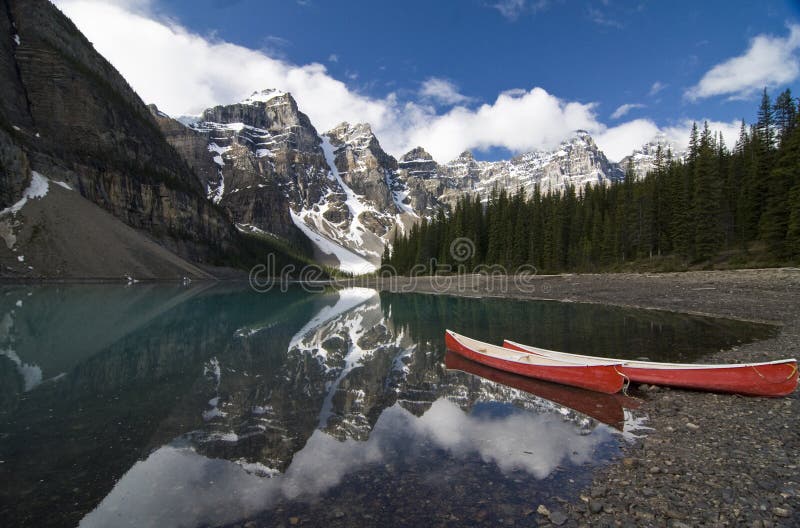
(339, 188)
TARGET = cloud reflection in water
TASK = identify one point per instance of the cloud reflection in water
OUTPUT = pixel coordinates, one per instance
(175, 486)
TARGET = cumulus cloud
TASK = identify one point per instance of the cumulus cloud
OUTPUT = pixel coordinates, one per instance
(442, 91)
(769, 61)
(535, 119)
(678, 134)
(619, 141)
(184, 73)
(624, 109)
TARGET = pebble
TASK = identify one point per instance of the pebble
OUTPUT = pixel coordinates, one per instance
(558, 517)
(781, 512)
(542, 510)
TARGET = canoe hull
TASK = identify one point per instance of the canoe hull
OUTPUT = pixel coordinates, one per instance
(772, 379)
(606, 408)
(600, 378)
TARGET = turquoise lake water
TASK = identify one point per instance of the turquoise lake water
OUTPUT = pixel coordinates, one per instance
(212, 405)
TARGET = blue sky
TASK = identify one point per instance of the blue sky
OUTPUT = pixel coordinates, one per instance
(432, 71)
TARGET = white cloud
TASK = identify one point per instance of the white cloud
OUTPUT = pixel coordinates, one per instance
(535, 119)
(624, 109)
(333, 57)
(619, 141)
(769, 61)
(678, 134)
(602, 19)
(442, 91)
(656, 87)
(512, 9)
(184, 73)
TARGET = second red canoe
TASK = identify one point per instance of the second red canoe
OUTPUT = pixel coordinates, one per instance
(773, 378)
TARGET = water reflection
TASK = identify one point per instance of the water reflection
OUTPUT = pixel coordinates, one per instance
(606, 408)
(154, 491)
(206, 405)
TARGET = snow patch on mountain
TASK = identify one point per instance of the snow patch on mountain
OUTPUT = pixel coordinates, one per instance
(349, 261)
(37, 189)
(264, 96)
(356, 230)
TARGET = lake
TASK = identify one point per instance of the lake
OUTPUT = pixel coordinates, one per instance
(212, 405)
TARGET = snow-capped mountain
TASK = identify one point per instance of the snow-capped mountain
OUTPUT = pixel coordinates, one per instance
(577, 162)
(646, 158)
(269, 167)
(264, 162)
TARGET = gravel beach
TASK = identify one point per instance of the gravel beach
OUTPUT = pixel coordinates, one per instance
(711, 459)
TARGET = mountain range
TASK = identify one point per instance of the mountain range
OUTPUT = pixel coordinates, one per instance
(266, 163)
(94, 183)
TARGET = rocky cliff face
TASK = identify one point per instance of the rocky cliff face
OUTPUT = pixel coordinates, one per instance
(66, 113)
(266, 164)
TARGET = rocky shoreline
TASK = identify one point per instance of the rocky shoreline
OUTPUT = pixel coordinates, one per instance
(710, 460)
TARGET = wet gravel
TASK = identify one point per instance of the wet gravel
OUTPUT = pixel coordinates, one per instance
(710, 459)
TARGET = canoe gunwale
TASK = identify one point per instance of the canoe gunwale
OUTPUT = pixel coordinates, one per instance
(644, 364)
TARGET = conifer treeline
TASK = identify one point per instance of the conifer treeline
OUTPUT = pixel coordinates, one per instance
(715, 199)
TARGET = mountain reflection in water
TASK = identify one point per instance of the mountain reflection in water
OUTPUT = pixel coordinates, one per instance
(173, 406)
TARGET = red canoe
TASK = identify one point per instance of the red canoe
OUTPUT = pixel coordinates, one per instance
(773, 378)
(601, 377)
(606, 408)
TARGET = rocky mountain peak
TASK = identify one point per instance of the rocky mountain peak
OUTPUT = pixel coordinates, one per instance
(358, 136)
(644, 159)
(466, 156)
(416, 154)
(266, 96)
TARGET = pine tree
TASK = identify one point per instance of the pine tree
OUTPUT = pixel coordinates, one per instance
(785, 115)
(706, 199)
(694, 144)
(774, 222)
(793, 225)
(766, 122)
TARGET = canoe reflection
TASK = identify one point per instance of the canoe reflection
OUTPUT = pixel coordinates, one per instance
(605, 408)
